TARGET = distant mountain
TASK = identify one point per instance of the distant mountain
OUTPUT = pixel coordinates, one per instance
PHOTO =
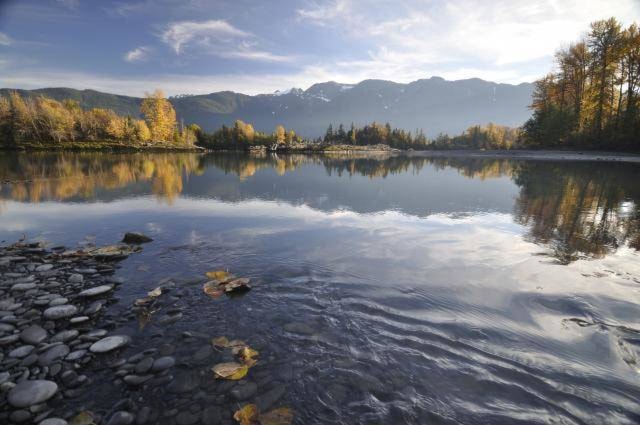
(434, 105)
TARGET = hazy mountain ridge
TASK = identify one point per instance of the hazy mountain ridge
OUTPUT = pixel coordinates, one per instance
(434, 105)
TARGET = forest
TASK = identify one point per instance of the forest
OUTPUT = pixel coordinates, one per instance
(591, 99)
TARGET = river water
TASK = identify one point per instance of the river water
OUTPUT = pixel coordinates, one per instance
(386, 289)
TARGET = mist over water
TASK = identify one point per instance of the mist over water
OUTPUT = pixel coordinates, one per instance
(388, 289)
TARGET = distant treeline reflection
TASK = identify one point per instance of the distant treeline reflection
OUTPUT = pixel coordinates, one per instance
(577, 210)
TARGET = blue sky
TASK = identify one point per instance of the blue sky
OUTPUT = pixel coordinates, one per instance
(202, 46)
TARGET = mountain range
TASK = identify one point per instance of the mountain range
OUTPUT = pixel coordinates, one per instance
(434, 105)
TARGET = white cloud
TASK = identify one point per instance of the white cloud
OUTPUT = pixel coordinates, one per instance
(326, 12)
(5, 40)
(179, 34)
(138, 54)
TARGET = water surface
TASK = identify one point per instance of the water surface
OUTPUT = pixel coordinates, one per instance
(387, 289)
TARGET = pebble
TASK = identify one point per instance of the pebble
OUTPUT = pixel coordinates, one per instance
(60, 312)
(34, 334)
(121, 418)
(97, 290)
(54, 353)
(22, 351)
(163, 363)
(28, 393)
(109, 343)
(75, 278)
(53, 421)
(243, 392)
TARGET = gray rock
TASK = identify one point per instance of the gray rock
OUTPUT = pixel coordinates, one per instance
(23, 286)
(64, 336)
(109, 343)
(4, 377)
(202, 353)
(60, 312)
(144, 365)
(75, 355)
(163, 363)
(137, 379)
(267, 400)
(19, 416)
(9, 339)
(211, 416)
(243, 392)
(58, 301)
(28, 393)
(95, 291)
(136, 238)
(44, 268)
(52, 354)
(186, 418)
(22, 351)
(75, 278)
(54, 421)
(121, 418)
(34, 334)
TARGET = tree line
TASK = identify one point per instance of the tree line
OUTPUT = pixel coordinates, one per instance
(591, 98)
(45, 120)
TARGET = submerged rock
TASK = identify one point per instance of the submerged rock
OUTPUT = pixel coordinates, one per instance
(136, 238)
(28, 393)
(60, 312)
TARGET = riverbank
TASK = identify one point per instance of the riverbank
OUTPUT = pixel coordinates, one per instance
(104, 145)
(541, 155)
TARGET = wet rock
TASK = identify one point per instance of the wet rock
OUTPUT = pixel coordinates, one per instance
(23, 287)
(34, 334)
(54, 353)
(243, 392)
(22, 351)
(136, 380)
(10, 339)
(44, 268)
(109, 343)
(75, 355)
(60, 312)
(53, 421)
(211, 415)
(121, 418)
(163, 363)
(19, 416)
(267, 400)
(144, 365)
(28, 393)
(95, 291)
(136, 238)
(65, 336)
(203, 353)
(75, 278)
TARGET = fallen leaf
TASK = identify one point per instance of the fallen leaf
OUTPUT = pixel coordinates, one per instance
(247, 415)
(220, 275)
(83, 418)
(220, 341)
(230, 370)
(246, 355)
(279, 416)
(212, 289)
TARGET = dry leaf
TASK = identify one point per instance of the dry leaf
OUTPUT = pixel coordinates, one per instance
(83, 418)
(237, 285)
(279, 416)
(220, 275)
(230, 370)
(212, 289)
(220, 341)
(246, 355)
(248, 415)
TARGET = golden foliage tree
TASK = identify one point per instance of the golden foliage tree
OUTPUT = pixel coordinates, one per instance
(159, 115)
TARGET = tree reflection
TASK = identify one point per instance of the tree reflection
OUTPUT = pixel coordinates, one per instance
(575, 208)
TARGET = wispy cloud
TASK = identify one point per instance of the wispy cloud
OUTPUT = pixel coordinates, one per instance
(5, 40)
(326, 12)
(138, 54)
(180, 34)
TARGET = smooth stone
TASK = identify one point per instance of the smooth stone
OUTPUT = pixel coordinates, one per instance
(44, 268)
(19, 416)
(144, 365)
(75, 355)
(64, 336)
(60, 312)
(186, 418)
(243, 392)
(23, 286)
(75, 278)
(97, 290)
(137, 379)
(6, 327)
(54, 353)
(58, 301)
(28, 393)
(22, 351)
(204, 352)
(163, 363)
(78, 319)
(9, 339)
(109, 343)
(211, 415)
(4, 377)
(34, 334)
(121, 418)
(54, 421)
(267, 400)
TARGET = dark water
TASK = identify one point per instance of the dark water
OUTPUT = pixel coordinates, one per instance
(387, 289)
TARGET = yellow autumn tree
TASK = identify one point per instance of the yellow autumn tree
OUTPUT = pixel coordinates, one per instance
(280, 134)
(159, 115)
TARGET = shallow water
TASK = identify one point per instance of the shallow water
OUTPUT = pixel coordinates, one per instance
(386, 289)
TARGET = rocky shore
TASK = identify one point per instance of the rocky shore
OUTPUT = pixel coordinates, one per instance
(66, 357)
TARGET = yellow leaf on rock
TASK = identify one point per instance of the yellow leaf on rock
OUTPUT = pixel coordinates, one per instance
(247, 415)
(279, 416)
(219, 275)
(230, 370)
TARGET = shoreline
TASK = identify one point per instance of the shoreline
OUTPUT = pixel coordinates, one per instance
(536, 155)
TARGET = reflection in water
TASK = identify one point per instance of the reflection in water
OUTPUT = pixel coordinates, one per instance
(577, 209)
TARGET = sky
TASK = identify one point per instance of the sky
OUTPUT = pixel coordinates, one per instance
(203, 46)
